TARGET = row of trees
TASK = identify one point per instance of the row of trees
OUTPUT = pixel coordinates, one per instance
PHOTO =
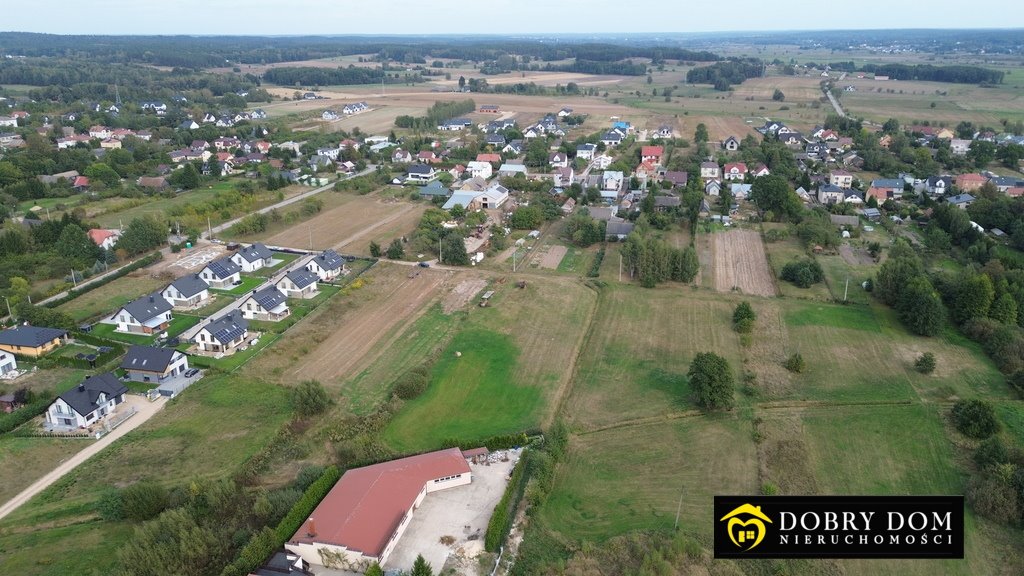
(726, 73)
(652, 261)
(902, 284)
(436, 114)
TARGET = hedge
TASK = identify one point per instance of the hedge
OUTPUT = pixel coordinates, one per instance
(501, 442)
(501, 521)
(116, 350)
(27, 412)
(264, 542)
(595, 266)
(123, 271)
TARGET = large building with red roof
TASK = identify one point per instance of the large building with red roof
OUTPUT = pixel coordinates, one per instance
(362, 518)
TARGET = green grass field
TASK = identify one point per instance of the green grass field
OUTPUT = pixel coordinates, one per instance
(249, 283)
(108, 298)
(782, 252)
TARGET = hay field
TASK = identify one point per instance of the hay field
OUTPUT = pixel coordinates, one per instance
(741, 264)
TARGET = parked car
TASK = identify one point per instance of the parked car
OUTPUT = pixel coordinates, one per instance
(191, 372)
(424, 264)
(232, 246)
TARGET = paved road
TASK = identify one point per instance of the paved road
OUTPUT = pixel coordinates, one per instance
(298, 197)
(146, 410)
(835, 103)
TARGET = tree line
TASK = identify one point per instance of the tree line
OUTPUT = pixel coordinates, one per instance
(726, 73)
(298, 75)
(956, 74)
(436, 114)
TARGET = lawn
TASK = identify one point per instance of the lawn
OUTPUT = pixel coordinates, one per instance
(106, 299)
(181, 322)
(517, 358)
(299, 309)
(25, 460)
(80, 548)
(632, 478)
(863, 354)
(574, 261)
(109, 331)
(249, 283)
(782, 252)
(283, 259)
(461, 389)
(640, 348)
(231, 362)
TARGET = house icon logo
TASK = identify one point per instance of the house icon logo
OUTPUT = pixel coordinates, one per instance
(746, 526)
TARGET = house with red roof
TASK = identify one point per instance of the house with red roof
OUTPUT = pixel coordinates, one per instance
(81, 183)
(104, 238)
(493, 158)
(652, 154)
(761, 170)
(363, 517)
(735, 171)
(970, 182)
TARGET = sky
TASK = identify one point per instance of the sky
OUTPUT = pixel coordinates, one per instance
(343, 17)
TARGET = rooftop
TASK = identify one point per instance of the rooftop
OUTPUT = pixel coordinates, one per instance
(148, 358)
(31, 336)
(83, 398)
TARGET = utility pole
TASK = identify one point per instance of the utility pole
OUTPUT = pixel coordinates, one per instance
(310, 238)
(514, 260)
(9, 313)
(679, 509)
(620, 266)
(73, 279)
(846, 290)
(439, 251)
(209, 226)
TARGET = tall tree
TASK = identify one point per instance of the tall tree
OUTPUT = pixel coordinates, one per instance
(712, 381)
(453, 250)
(141, 235)
(701, 133)
(774, 194)
(974, 295)
(76, 245)
(421, 568)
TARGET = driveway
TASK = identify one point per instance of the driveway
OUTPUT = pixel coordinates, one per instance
(145, 411)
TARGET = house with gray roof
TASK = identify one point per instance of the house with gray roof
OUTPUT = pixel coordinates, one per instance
(436, 189)
(893, 185)
(152, 364)
(618, 228)
(187, 292)
(31, 341)
(149, 314)
(223, 335)
(268, 304)
(299, 283)
(252, 258)
(86, 404)
(961, 201)
(327, 265)
(221, 273)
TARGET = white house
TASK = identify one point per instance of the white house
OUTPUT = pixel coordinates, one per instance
(480, 169)
(841, 178)
(252, 258)
(328, 265)
(959, 147)
(223, 335)
(612, 180)
(512, 170)
(586, 151)
(151, 364)
(830, 194)
(731, 144)
(221, 273)
(299, 283)
(421, 173)
(268, 304)
(710, 170)
(7, 362)
(148, 314)
(558, 160)
(733, 171)
(187, 292)
(87, 403)
(104, 238)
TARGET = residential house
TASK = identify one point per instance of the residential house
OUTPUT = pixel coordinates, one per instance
(731, 144)
(480, 169)
(879, 194)
(490, 109)
(223, 335)
(652, 154)
(970, 182)
(253, 257)
(149, 314)
(327, 265)
(586, 151)
(734, 171)
(961, 201)
(103, 238)
(454, 125)
(664, 131)
(31, 341)
(713, 187)
(792, 138)
(421, 173)
(87, 403)
(226, 143)
(8, 122)
(330, 153)
(513, 148)
(817, 150)
(508, 170)
(188, 125)
(150, 364)
(563, 177)
(494, 139)
(944, 134)
(329, 115)
(740, 191)
(152, 182)
(710, 170)
(841, 178)
(565, 111)
(677, 178)
(9, 364)
(558, 160)
(665, 203)
(602, 162)
(223, 274)
(187, 292)
(489, 157)
(269, 304)
(492, 197)
(937, 185)
(959, 147)
(852, 196)
(761, 170)
(611, 138)
(618, 228)
(299, 283)
(569, 206)
(427, 157)
(612, 180)
(401, 156)
(830, 194)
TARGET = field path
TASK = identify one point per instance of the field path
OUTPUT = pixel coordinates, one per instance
(146, 410)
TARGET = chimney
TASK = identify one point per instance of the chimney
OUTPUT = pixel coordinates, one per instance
(151, 299)
(311, 527)
(81, 386)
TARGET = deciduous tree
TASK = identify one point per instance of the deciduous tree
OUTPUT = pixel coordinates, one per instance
(711, 379)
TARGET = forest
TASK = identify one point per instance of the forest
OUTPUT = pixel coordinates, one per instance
(927, 72)
(724, 74)
(294, 75)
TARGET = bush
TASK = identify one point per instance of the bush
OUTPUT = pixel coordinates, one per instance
(795, 363)
(803, 272)
(143, 501)
(501, 521)
(305, 506)
(991, 452)
(975, 419)
(309, 398)
(413, 383)
(595, 265)
(925, 364)
(110, 506)
(743, 318)
(994, 499)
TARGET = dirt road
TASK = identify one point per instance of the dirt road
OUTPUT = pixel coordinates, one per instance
(146, 410)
